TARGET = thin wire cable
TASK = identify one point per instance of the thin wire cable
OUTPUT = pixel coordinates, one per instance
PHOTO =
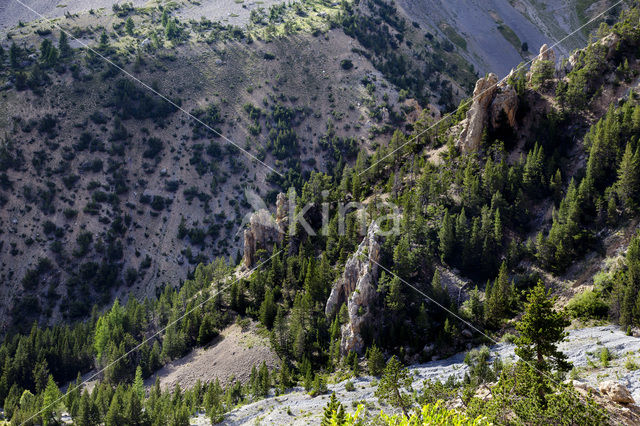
(69, 35)
(461, 319)
(146, 86)
(138, 346)
(413, 138)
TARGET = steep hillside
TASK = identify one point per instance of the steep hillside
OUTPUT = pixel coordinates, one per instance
(496, 36)
(109, 188)
(406, 242)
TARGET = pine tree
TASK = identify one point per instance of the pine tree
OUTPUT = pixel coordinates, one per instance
(628, 185)
(129, 26)
(333, 413)
(264, 380)
(138, 384)
(14, 55)
(462, 236)
(104, 40)
(133, 414)
(533, 174)
(48, 53)
(556, 186)
(541, 328)
(268, 309)
(115, 414)
(88, 412)
(51, 403)
(63, 45)
(394, 387)
(447, 237)
(627, 288)
(476, 307)
(439, 292)
(284, 377)
(499, 297)
(394, 300)
(41, 375)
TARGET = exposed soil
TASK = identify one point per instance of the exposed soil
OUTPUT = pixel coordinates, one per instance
(230, 356)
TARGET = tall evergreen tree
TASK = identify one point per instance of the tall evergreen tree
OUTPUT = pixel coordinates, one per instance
(51, 403)
(447, 237)
(540, 330)
(500, 297)
(394, 386)
(628, 185)
(63, 45)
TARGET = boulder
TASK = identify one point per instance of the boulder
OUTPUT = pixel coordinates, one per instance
(583, 386)
(616, 392)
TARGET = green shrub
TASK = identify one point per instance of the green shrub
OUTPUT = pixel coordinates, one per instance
(605, 357)
(346, 64)
(588, 305)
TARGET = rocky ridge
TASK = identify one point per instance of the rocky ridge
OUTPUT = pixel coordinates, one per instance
(492, 100)
(357, 287)
(264, 230)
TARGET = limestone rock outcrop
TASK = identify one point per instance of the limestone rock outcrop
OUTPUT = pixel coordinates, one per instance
(357, 287)
(490, 101)
(616, 392)
(505, 101)
(264, 230)
(477, 116)
(546, 54)
(610, 42)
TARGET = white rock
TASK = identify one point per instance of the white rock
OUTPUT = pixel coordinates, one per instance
(616, 392)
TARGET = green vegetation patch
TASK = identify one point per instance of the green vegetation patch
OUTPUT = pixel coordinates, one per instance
(453, 35)
(510, 36)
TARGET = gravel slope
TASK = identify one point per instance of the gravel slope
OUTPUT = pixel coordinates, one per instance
(234, 12)
(231, 355)
(581, 345)
(12, 12)
(477, 22)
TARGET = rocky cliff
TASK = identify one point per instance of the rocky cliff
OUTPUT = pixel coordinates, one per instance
(357, 287)
(264, 230)
(492, 100)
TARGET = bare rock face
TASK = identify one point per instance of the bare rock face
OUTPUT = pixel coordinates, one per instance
(264, 230)
(610, 42)
(546, 54)
(358, 288)
(477, 116)
(616, 392)
(490, 101)
(506, 101)
(455, 285)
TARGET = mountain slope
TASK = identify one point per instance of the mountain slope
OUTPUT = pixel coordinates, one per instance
(444, 238)
(110, 189)
(490, 34)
